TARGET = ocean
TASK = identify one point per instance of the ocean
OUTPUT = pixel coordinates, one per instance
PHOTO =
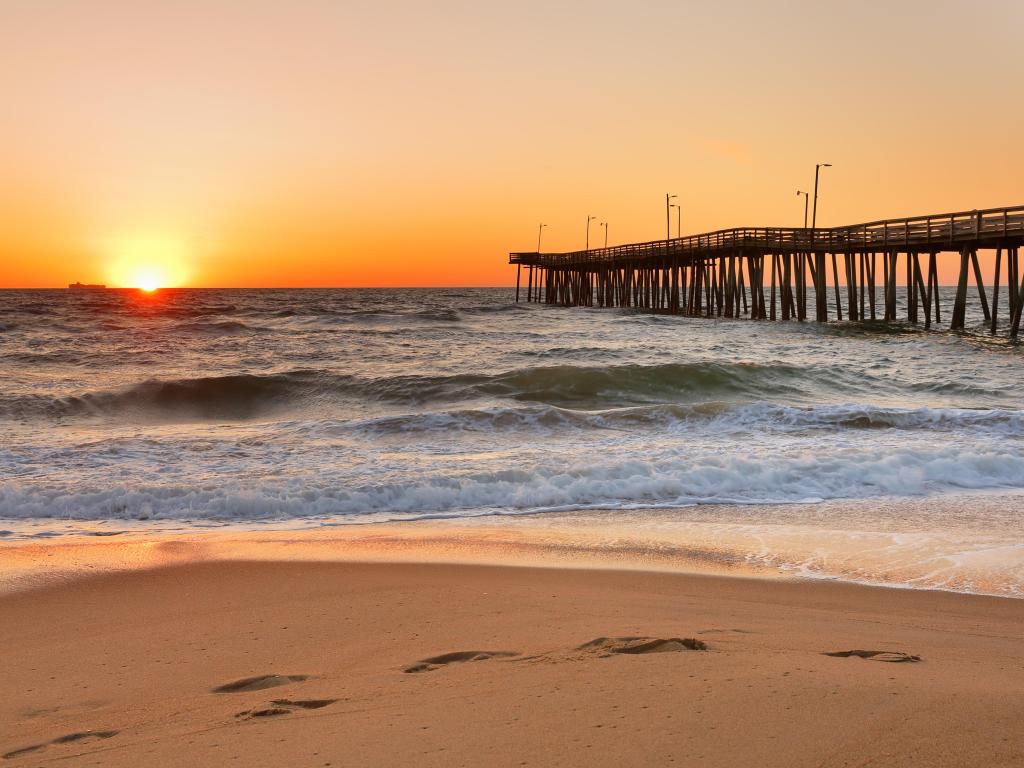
(860, 451)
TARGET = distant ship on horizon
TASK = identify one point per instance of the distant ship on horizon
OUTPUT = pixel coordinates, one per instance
(85, 286)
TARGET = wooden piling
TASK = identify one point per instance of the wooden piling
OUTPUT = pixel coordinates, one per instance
(742, 287)
(801, 286)
(921, 293)
(851, 286)
(981, 284)
(1011, 282)
(960, 303)
(835, 282)
(995, 292)
(775, 259)
(913, 297)
(1019, 291)
(885, 281)
(871, 277)
(862, 259)
(891, 308)
(820, 288)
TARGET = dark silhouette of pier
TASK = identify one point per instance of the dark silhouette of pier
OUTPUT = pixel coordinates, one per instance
(769, 273)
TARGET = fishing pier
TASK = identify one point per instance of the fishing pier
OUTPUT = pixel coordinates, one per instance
(770, 273)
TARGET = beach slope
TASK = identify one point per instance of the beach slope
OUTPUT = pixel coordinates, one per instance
(342, 664)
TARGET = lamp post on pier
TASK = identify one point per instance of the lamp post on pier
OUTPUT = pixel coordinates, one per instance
(817, 169)
(668, 220)
(540, 231)
(814, 236)
(589, 219)
(605, 225)
(814, 213)
(807, 198)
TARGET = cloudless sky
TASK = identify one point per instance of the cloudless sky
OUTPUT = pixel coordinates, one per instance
(341, 143)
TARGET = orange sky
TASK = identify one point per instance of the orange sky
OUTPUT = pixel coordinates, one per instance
(329, 142)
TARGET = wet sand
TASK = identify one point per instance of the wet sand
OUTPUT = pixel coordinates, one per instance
(354, 664)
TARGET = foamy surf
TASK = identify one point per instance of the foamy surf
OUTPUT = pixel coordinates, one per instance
(662, 469)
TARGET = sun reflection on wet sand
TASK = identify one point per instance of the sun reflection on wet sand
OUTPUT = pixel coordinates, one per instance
(803, 542)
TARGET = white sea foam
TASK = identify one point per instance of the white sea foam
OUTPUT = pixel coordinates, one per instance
(674, 477)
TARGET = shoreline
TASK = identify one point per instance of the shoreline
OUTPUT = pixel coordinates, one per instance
(33, 564)
(883, 542)
(327, 663)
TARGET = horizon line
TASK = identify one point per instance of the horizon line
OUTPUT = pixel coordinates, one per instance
(257, 288)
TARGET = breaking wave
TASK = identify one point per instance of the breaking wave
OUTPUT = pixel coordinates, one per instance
(785, 477)
(609, 394)
(217, 397)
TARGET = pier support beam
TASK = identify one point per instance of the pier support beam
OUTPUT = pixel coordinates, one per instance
(960, 303)
(820, 288)
(980, 284)
(933, 285)
(890, 286)
(1011, 282)
(1018, 291)
(835, 282)
(871, 277)
(995, 292)
(862, 259)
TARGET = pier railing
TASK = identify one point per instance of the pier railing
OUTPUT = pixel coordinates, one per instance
(939, 232)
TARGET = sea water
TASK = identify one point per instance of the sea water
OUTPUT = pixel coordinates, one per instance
(865, 451)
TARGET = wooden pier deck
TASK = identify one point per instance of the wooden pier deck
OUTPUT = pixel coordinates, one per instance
(762, 272)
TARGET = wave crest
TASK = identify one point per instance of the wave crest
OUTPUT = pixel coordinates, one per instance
(738, 395)
(718, 416)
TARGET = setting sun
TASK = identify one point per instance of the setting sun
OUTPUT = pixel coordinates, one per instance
(148, 262)
(148, 277)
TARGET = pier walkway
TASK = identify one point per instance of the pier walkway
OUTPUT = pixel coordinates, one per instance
(762, 272)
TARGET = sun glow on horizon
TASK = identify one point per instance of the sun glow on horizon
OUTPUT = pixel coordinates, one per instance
(147, 262)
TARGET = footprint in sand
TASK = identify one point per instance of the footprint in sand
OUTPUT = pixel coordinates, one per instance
(607, 646)
(601, 646)
(305, 703)
(456, 657)
(285, 707)
(258, 683)
(68, 739)
(893, 657)
(248, 714)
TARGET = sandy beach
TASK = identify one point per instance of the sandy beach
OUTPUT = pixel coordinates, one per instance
(490, 385)
(355, 664)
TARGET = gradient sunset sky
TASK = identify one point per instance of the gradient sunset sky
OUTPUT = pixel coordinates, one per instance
(316, 143)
